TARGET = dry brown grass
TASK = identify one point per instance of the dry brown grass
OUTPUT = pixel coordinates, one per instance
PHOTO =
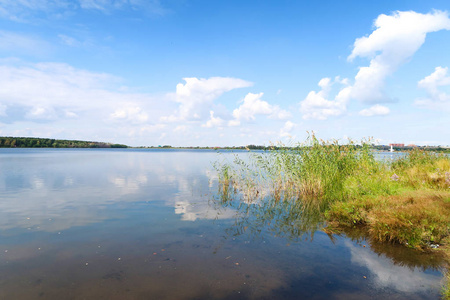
(414, 218)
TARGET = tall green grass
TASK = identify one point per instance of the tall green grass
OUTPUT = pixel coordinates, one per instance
(314, 172)
(406, 200)
(296, 190)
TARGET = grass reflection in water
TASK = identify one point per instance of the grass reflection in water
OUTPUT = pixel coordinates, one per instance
(293, 191)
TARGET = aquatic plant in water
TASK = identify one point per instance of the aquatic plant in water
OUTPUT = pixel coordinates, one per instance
(404, 201)
(297, 190)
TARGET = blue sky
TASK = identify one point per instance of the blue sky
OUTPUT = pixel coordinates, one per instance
(216, 73)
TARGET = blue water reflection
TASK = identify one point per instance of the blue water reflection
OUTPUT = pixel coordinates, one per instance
(143, 224)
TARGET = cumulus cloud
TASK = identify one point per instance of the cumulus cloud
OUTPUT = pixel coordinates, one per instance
(433, 84)
(393, 42)
(316, 105)
(213, 121)
(196, 96)
(253, 105)
(287, 129)
(376, 110)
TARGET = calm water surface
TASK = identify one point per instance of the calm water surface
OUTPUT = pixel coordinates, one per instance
(148, 224)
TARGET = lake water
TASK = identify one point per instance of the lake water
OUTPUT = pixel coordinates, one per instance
(149, 224)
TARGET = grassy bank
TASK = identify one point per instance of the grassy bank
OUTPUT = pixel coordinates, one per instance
(404, 201)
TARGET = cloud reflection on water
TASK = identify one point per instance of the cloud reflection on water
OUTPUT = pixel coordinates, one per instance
(54, 192)
(385, 274)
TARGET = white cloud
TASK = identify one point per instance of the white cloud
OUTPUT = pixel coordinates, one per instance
(316, 105)
(394, 41)
(196, 96)
(234, 123)
(376, 110)
(131, 114)
(432, 83)
(287, 129)
(213, 121)
(54, 91)
(253, 105)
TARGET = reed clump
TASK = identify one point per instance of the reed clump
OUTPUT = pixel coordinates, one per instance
(323, 183)
(405, 201)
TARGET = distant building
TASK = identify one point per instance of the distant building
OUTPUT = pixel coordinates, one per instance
(397, 145)
(412, 145)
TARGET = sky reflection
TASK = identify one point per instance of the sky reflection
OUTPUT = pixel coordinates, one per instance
(99, 223)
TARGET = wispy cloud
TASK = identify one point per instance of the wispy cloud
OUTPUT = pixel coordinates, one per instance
(24, 10)
(27, 10)
(108, 6)
(20, 43)
(57, 91)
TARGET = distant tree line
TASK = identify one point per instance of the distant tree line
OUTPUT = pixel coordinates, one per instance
(29, 142)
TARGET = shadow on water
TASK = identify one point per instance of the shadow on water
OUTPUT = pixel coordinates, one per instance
(285, 219)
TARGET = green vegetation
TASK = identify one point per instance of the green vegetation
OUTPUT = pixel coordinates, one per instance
(405, 201)
(27, 142)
